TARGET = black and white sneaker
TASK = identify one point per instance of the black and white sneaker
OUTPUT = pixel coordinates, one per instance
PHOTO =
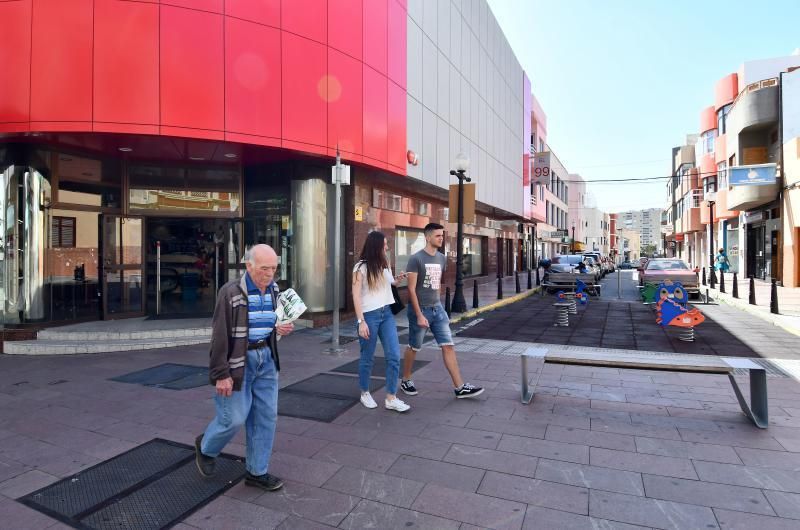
(467, 390)
(409, 388)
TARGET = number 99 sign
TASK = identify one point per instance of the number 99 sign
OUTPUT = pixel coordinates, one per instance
(541, 172)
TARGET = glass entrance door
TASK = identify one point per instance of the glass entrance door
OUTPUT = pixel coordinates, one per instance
(122, 249)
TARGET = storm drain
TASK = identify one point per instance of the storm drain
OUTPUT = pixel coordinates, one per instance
(168, 375)
(150, 487)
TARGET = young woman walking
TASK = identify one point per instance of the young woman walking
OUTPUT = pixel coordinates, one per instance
(372, 296)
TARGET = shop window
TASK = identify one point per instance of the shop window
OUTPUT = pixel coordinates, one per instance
(185, 190)
(88, 181)
(407, 241)
(472, 260)
(62, 232)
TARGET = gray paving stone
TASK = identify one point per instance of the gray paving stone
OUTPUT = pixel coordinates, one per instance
(298, 523)
(463, 436)
(691, 450)
(785, 504)
(487, 512)
(19, 517)
(369, 514)
(432, 471)
(324, 506)
(25, 483)
(536, 492)
(299, 469)
(341, 433)
(530, 429)
(225, 512)
(732, 520)
(10, 468)
(642, 463)
(754, 477)
(771, 459)
(754, 440)
(407, 424)
(590, 476)
(304, 446)
(545, 448)
(707, 494)
(375, 486)
(650, 512)
(358, 457)
(502, 461)
(410, 445)
(674, 421)
(565, 420)
(621, 427)
(538, 518)
(591, 438)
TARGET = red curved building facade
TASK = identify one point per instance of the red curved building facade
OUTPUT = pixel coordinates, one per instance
(305, 75)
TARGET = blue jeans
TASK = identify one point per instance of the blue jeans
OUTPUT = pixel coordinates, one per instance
(381, 325)
(439, 324)
(255, 406)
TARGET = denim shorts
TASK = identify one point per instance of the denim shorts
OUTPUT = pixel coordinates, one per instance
(439, 325)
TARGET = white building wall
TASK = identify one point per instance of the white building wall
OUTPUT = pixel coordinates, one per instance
(465, 94)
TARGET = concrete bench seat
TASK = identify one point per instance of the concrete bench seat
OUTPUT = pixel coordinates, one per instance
(756, 409)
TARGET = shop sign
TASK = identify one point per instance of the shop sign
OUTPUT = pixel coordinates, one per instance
(560, 233)
(756, 175)
(541, 168)
(679, 237)
(359, 213)
(753, 217)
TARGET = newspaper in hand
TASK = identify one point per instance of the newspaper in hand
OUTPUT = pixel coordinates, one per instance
(290, 306)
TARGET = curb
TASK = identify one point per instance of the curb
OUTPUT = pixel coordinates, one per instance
(491, 307)
(767, 317)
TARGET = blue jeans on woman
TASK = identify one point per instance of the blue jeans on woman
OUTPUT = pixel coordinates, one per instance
(255, 406)
(381, 326)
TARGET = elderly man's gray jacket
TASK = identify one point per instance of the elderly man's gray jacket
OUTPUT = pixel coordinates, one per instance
(229, 327)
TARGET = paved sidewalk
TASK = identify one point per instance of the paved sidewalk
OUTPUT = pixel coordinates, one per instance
(597, 448)
(788, 301)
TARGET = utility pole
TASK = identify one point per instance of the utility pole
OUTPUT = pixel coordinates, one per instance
(340, 173)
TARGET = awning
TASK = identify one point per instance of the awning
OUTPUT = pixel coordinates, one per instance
(579, 246)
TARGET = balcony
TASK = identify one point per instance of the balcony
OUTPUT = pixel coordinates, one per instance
(755, 108)
(748, 197)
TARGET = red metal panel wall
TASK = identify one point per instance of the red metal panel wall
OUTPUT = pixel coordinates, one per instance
(301, 74)
(15, 88)
(345, 104)
(708, 119)
(192, 72)
(253, 80)
(126, 40)
(61, 63)
(726, 90)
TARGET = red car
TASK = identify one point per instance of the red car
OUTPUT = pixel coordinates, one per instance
(657, 270)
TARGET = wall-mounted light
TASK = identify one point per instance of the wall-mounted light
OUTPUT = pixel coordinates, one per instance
(125, 149)
(412, 157)
(230, 155)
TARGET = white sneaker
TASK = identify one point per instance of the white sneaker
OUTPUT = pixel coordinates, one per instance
(396, 404)
(367, 401)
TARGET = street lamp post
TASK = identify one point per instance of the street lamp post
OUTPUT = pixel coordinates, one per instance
(572, 247)
(711, 198)
(459, 305)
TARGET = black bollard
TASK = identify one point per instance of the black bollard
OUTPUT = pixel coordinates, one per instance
(538, 281)
(499, 288)
(773, 298)
(712, 279)
(721, 281)
(447, 301)
(752, 290)
(530, 280)
(516, 279)
(735, 286)
(475, 294)
(704, 276)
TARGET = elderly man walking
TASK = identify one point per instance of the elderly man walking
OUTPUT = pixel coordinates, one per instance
(244, 368)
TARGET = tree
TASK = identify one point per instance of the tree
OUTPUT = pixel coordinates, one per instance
(649, 250)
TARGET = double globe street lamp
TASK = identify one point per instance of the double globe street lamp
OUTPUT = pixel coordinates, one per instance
(459, 305)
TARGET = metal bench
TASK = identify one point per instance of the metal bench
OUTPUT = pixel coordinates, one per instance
(756, 409)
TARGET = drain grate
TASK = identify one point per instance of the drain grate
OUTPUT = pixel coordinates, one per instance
(150, 487)
(168, 375)
(378, 368)
(322, 397)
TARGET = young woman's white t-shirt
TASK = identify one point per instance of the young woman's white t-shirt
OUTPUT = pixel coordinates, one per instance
(381, 295)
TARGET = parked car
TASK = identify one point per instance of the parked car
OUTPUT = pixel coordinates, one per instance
(626, 265)
(599, 261)
(658, 270)
(570, 263)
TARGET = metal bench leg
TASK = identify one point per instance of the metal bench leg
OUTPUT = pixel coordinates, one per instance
(757, 410)
(526, 389)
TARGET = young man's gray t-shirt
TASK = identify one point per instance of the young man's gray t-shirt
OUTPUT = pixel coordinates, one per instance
(429, 270)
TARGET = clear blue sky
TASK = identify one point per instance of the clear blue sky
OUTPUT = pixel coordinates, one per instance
(623, 81)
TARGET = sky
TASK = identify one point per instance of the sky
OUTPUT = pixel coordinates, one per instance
(623, 81)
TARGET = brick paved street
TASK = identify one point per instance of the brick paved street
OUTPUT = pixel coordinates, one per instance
(597, 447)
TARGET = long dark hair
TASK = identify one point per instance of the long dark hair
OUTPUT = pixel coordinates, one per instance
(375, 259)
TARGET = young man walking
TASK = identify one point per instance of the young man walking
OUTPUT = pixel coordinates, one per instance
(425, 269)
(244, 369)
